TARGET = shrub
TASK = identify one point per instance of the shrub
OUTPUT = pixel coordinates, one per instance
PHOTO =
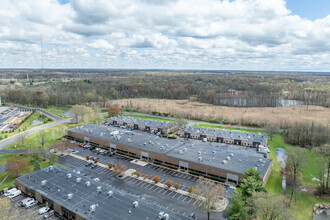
(168, 183)
(96, 160)
(87, 157)
(138, 174)
(110, 165)
(133, 172)
(190, 189)
(145, 176)
(197, 191)
(176, 185)
(149, 177)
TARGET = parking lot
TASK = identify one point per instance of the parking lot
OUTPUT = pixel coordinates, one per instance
(31, 213)
(168, 198)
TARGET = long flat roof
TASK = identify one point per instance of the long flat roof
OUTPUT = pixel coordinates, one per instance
(238, 135)
(212, 153)
(143, 122)
(118, 206)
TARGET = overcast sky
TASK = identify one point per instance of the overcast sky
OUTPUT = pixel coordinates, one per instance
(179, 34)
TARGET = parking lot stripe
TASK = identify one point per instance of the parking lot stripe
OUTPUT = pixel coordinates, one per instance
(170, 193)
(200, 204)
(164, 192)
(161, 189)
(195, 202)
(144, 184)
(190, 200)
(179, 197)
(156, 189)
(184, 198)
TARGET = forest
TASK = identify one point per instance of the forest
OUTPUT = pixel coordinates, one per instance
(224, 88)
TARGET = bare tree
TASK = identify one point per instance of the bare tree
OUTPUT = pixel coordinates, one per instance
(296, 161)
(324, 150)
(271, 129)
(22, 139)
(211, 193)
(42, 137)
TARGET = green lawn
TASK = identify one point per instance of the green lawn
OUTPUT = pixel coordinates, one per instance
(33, 140)
(229, 128)
(150, 117)
(58, 110)
(27, 124)
(10, 181)
(302, 208)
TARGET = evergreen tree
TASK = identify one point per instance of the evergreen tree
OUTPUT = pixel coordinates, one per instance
(36, 166)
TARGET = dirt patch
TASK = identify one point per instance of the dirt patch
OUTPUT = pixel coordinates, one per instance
(191, 109)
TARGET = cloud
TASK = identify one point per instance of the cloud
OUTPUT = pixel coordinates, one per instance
(208, 34)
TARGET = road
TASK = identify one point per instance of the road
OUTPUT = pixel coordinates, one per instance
(5, 142)
(39, 110)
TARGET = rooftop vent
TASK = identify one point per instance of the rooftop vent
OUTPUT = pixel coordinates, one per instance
(163, 216)
(99, 189)
(180, 152)
(110, 193)
(224, 161)
(231, 154)
(185, 149)
(93, 207)
(214, 152)
(228, 158)
(199, 153)
(78, 180)
(70, 196)
(260, 160)
(51, 168)
(43, 183)
(135, 204)
(88, 183)
(69, 175)
(200, 158)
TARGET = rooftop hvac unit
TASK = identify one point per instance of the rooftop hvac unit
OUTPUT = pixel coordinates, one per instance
(70, 195)
(214, 152)
(51, 168)
(88, 183)
(204, 139)
(110, 193)
(135, 204)
(99, 189)
(78, 180)
(43, 183)
(200, 158)
(163, 216)
(69, 175)
(93, 207)
(224, 161)
(231, 154)
(260, 160)
(185, 149)
(180, 152)
(228, 158)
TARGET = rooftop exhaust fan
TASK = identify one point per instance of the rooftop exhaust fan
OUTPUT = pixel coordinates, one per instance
(228, 158)
(214, 152)
(78, 180)
(43, 183)
(99, 189)
(110, 193)
(70, 195)
(199, 153)
(231, 154)
(93, 207)
(200, 158)
(51, 168)
(180, 152)
(69, 175)
(88, 183)
(224, 161)
(135, 204)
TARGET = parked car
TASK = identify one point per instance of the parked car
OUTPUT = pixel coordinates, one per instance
(49, 214)
(31, 204)
(94, 165)
(106, 152)
(10, 191)
(75, 151)
(25, 201)
(97, 179)
(43, 210)
(15, 194)
(88, 164)
(193, 215)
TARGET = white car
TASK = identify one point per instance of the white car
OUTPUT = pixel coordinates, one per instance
(24, 201)
(43, 210)
(30, 204)
(10, 191)
(14, 194)
(97, 179)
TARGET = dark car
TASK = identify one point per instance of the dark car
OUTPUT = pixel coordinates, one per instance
(106, 152)
(88, 164)
(94, 165)
(193, 215)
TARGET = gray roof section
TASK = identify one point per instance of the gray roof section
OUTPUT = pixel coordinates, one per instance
(239, 135)
(212, 153)
(144, 122)
(58, 186)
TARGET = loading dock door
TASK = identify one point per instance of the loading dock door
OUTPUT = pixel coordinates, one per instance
(232, 178)
(238, 142)
(136, 126)
(187, 135)
(220, 139)
(113, 147)
(183, 165)
(86, 139)
(144, 156)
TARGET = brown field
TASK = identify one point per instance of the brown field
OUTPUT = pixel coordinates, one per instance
(260, 116)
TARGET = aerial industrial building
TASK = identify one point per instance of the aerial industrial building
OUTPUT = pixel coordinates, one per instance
(225, 136)
(78, 197)
(211, 159)
(143, 124)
